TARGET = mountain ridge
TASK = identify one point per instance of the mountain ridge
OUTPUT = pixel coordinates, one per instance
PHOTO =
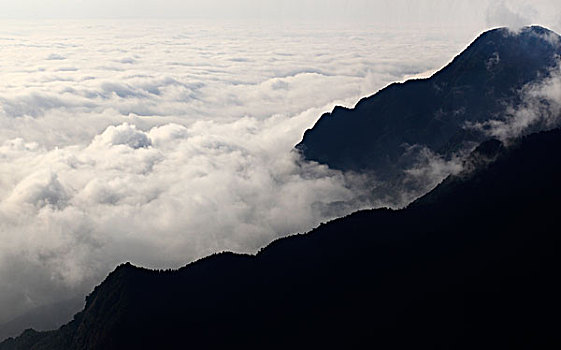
(469, 264)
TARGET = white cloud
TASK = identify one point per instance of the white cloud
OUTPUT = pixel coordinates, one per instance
(518, 13)
(124, 134)
(159, 143)
(502, 13)
(540, 109)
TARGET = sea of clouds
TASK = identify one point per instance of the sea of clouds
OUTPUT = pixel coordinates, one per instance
(160, 143)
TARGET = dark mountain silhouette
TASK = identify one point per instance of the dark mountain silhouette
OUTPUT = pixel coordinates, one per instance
(475, 87)
(471, 265)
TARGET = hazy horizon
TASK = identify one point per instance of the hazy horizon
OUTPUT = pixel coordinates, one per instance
(477, 13)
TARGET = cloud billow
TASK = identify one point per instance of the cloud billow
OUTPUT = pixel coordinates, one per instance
(540, 109)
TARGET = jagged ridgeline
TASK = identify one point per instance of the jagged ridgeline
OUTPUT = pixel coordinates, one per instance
(477, 86)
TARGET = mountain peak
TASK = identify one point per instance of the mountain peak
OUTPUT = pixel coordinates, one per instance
(526, 30)
(536, 34)
(432, 113)
(505, 57)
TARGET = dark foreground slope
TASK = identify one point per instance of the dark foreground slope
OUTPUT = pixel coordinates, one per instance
(476, 86)
(471, 265)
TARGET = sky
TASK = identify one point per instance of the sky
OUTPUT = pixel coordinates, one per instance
(379, 12)
(159, 142)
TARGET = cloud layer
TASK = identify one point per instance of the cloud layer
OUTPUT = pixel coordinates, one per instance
(161, 143)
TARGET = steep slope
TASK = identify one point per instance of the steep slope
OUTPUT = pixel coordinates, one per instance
(476, 86)
(472, 264)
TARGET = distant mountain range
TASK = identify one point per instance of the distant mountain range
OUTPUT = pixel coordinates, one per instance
(477, 86)
(473, 264)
